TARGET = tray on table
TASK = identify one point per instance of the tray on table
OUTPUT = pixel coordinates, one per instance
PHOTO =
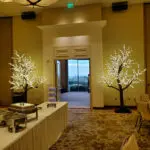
(25, 108)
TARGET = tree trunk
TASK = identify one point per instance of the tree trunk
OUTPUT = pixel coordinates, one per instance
(121, 98)
(25, 97)
(122, 108)
(25, 94)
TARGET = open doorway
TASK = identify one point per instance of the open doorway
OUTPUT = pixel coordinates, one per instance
(73, 82)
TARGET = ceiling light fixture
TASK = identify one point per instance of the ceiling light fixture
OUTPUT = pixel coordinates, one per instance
(39, 3)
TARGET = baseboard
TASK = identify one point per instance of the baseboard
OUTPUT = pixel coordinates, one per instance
(112, 107)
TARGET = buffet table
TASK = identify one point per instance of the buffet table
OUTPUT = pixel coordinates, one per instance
(40, 134)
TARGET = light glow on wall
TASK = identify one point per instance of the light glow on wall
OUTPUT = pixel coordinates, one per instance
(72, 41)
(79, 19)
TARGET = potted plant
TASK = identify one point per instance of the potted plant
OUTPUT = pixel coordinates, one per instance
(24, 75)
(122, 72)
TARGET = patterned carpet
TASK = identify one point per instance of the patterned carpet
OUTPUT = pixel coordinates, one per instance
(100, 130)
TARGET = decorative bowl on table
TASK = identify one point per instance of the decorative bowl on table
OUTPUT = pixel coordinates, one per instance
(16, 122)
(3, 114)
(25, 108)
(13, 120)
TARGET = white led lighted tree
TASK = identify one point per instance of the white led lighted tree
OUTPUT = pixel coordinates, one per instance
(122, 72)
(24, 74)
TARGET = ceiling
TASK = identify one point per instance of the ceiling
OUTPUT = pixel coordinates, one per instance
(62, 3)
(12, 9)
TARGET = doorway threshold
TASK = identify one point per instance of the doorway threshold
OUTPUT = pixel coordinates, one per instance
(79, 107)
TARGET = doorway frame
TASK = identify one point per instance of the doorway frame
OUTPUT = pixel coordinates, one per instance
(55, 74)
(94, 30)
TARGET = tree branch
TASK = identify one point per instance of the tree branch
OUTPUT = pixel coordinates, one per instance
(113, 87)
(120, 68)
(30, 88)
(128, 85)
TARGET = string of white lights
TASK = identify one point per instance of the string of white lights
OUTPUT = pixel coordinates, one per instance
(122, 70)
(24, 73)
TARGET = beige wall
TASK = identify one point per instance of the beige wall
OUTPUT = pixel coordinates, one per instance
(147, 44)
(27, 39)
(76, 15)
(69, 35)
(124, 28)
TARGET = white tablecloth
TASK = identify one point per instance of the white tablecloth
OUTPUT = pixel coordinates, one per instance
(40, 134)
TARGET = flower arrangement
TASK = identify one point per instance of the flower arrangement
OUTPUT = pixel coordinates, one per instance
(24, 74)
(122, 72)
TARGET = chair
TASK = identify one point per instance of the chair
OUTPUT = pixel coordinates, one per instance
(138, 111)
(130, 143)
(143, 98)
(143, 109)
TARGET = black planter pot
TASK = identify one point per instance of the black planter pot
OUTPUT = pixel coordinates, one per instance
(19, 97)
(123, 110)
